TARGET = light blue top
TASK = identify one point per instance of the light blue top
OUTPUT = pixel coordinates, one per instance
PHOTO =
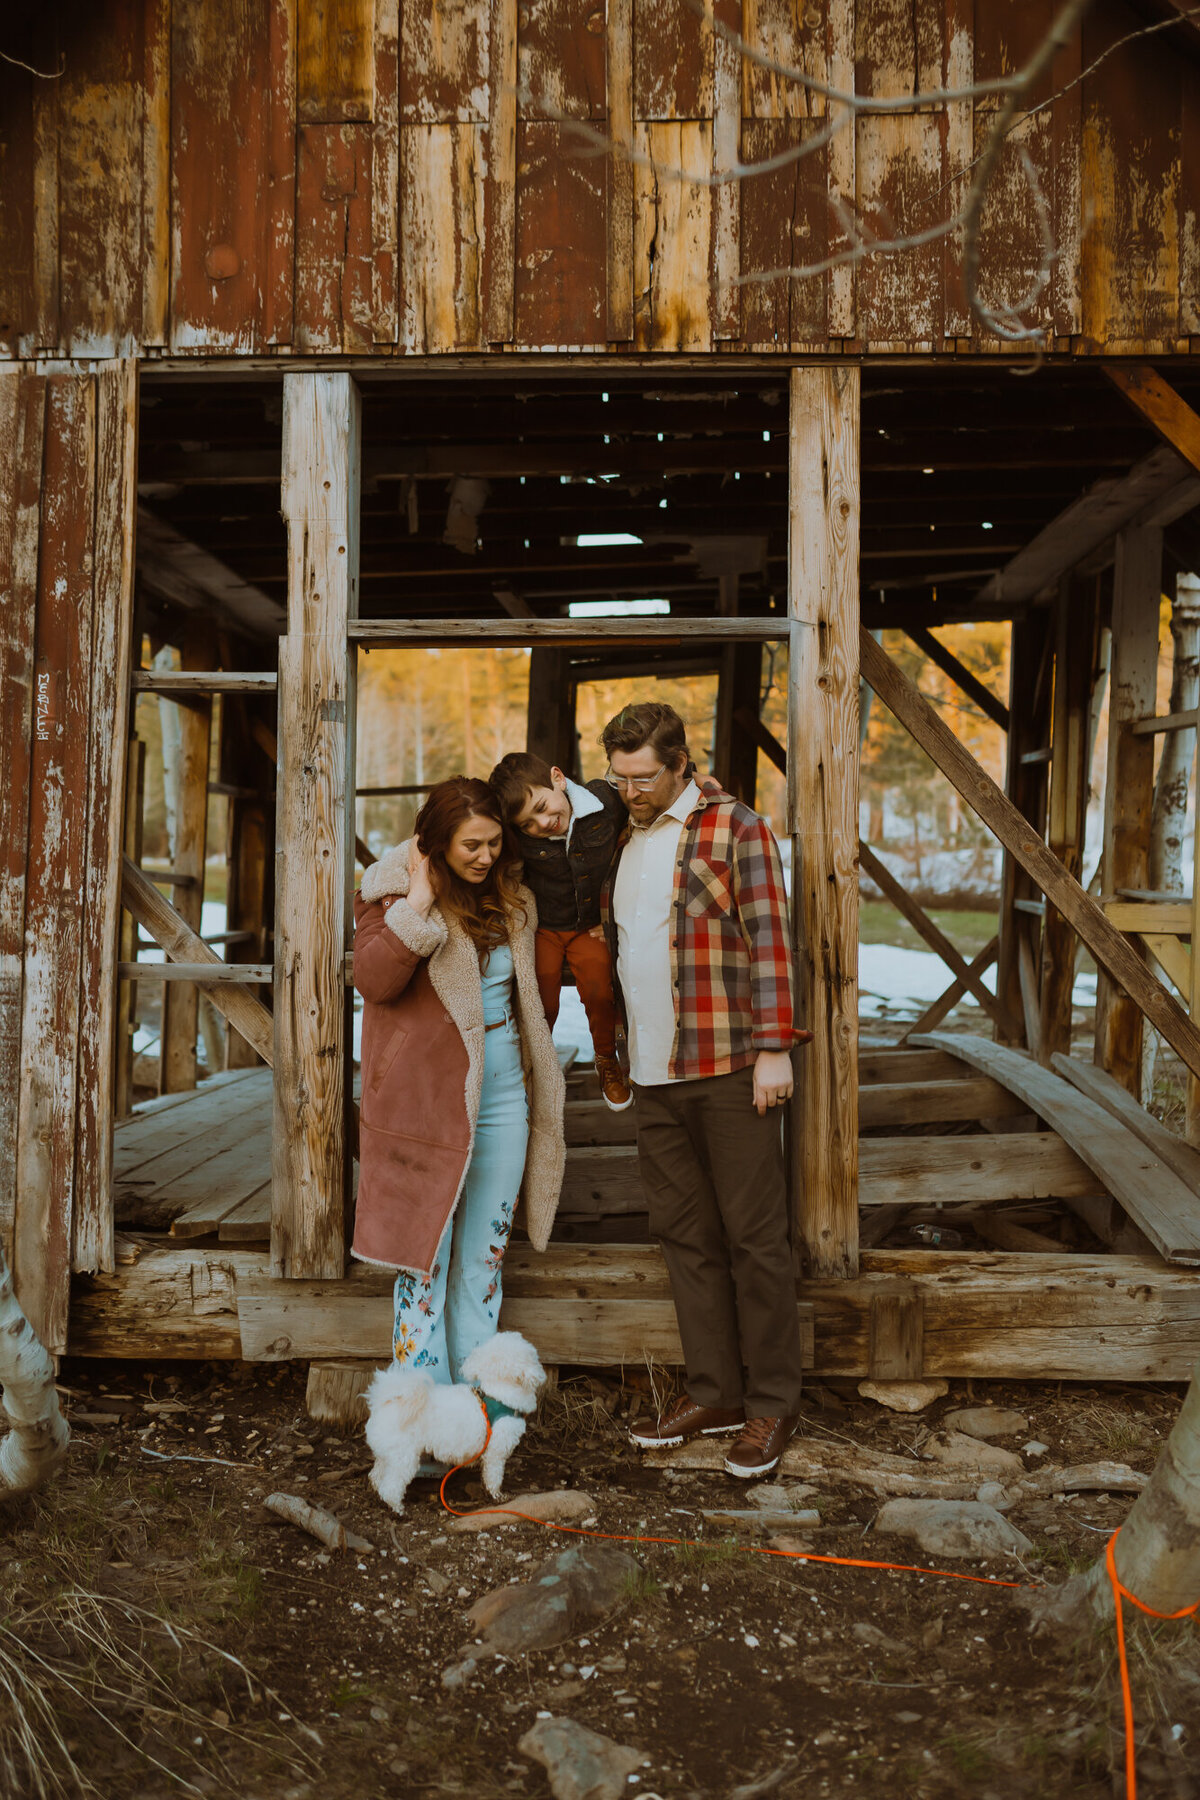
(497, 978)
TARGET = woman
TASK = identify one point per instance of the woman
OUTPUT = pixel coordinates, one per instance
(462, 1093)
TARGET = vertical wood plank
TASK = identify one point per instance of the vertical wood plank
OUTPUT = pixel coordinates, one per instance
(180, 999)
(233, 173)
(335, 61)
(131, 845)
(726, 199)
(46, 1131)
(823, 757)
(321, 440)
(794, 37)
(17, 281)
(620, 171)
(441, 233)
(45, 188)
(445, 56)
(958, 72)
(1076, 624)
(561, 58)
(249, 890)
(1192, 1097)
(108, 728)
(335, 272)
(898, 171)
(500, 239)
(1025, 786)
(1129, 781)
(559, 295)
(843, 179)
(784, 224)
(672, 238)
(156, 173)
(385, 175)
(22, 425)
(673, 61)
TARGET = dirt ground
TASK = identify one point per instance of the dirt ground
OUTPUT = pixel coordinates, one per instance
(160, 1632)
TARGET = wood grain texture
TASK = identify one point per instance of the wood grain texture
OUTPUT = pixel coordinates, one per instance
(335, 65)
(795, 38)
(1129, 780)
(22, 428)
(17, 283)
(159, 918)
(156, 173)
(673, 62)
(501, 188)
(1160, 405)
(441, 234)
(727, 197)
(898, 167)
(991, 1315)
(320, 503)
(559, 277)
(108, 730)
(233, 174)
(1151, 1193)
(45, 1149)
(971, 1171)
(843, 157)
(619, 170)
(915, 1103)
(785, 223)
(445, 62)
(673, 236)
(1183, 1159)
(561, 59)
(998, 813)
(896, 1333)
(1024, 783)
(823, 514)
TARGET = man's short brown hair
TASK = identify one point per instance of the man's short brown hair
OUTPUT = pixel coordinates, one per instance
(514, 778)
(650, 723)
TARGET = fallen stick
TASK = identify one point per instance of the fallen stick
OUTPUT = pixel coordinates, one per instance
(318, 1523)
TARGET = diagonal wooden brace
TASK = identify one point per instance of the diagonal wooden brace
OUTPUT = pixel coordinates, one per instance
(1022, 842)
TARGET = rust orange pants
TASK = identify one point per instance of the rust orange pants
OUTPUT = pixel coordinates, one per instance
(589, 962)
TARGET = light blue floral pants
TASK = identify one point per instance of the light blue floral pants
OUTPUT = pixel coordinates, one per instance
(440, 1320)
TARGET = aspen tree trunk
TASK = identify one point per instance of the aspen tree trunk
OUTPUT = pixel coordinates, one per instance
(1158, 1551)
(37, 1442)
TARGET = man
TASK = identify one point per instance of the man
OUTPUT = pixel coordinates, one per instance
(696, 914)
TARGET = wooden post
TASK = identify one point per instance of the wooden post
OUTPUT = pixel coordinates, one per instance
(551, 728)
(131, 844)
(1025, 785)
(1129, 782)
(321, 433)
(245, 766)
(823, 761)
(180, 1004)
(735, 757)
(1076, 622)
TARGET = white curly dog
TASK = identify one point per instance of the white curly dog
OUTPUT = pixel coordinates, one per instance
(413, 1417)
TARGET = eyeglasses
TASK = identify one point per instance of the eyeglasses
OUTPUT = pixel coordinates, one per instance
(641, 784)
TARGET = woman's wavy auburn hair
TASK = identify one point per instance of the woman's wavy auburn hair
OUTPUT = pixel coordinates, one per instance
(487, 912)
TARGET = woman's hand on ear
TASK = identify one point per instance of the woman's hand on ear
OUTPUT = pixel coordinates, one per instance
(421, 893)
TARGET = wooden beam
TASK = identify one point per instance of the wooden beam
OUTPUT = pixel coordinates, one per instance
(172, 568)
(972, 1171)
(937, 652)
(180, 1007)
(313, 860)
(925, 927)
(1160, 405)
(1075, 631)
(1029, 704)
(1085, 525)
(490, 633)
(950, 997)
(823, 526)
(986, 1315)
(1001, 816)
(156, 915)
(1129, 781)
(1174, 916)
(927, 1102)
(550, 719)
(1151, 1193)
(1183, 1159)
(205, 975)
(896, 1332)
(177, 682)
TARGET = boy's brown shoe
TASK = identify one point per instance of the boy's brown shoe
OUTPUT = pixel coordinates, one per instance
(614, 1089)
(762, 1443)
(687, 1420)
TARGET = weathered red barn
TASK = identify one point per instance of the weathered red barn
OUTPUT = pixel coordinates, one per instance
(853, 315)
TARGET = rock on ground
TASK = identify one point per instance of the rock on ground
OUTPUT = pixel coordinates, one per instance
(562, 1595)
(953, 1528)
(986, 1421)
(580, 1764)
(955, 1450)
(560, 1506)
(904, 1396)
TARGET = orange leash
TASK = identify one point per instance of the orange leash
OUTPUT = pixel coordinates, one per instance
(1121, 1593)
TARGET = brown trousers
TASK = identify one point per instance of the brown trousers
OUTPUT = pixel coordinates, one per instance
(713, 1174)
(589, 962)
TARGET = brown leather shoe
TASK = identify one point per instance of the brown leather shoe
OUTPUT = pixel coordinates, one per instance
(687, 1420)
(758, 1450)
(614, 1089)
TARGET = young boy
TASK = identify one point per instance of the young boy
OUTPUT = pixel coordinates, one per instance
(567, 834)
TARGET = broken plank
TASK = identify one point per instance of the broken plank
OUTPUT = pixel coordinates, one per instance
(1151, 1192)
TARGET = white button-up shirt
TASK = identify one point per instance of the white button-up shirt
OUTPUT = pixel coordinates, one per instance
(642, 903)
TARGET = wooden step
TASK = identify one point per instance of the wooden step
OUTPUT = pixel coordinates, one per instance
(970, 1171)
(591, 1122)
(935, 1102)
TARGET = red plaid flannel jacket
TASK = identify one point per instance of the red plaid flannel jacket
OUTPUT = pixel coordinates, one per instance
(731, 958)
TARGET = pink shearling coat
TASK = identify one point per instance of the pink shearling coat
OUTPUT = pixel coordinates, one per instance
(422, 1073)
